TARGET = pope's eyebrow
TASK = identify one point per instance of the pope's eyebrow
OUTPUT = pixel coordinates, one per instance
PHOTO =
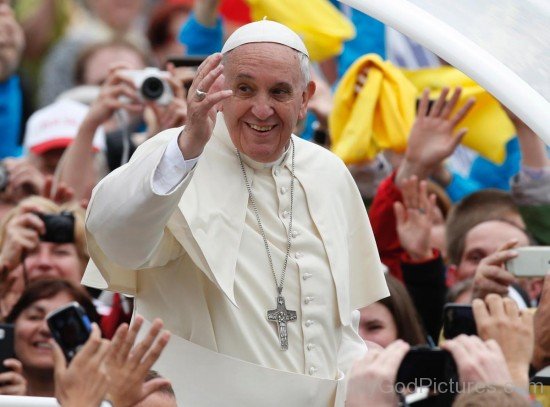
(244, 76)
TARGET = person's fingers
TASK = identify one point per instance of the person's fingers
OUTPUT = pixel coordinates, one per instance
(204, 68)
(155, 351)
(462, 112)
(481, 314)
(527, 318)
(59, 361)
(424, 103)
(450, 105)
(511, 308)
(32, 221)
(432, 207)
(494, 347)
(508, 245)
(497, 274)
(500, 257)
(14, 365)
(405, 188)
(423, 199)
(142, 347)
(486, 286)
(495, 304)
(439, 103)
(118, 339)
(92, 345)
(399, 211)
(457, 138)
(131, 337)
(48, 185)
(205, 84)
(212, 99)
(393, 355)
(457, 349)
(413, 191)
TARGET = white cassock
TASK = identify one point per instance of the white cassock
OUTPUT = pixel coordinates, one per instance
(194, 257)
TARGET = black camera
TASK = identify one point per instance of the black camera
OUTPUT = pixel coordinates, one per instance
(426, 367)
(70, 327)
(59, 227)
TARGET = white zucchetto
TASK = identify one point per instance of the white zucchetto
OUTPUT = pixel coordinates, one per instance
(264, 31)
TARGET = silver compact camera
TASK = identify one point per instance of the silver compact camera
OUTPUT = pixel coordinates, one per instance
(152, 85)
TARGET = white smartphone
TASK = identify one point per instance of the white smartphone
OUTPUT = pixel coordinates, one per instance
(532, 261)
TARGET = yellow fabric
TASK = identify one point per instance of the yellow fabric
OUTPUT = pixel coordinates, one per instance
(381, 115)
(320, 25)
(378, 117)
(541, 394)
(489, 128)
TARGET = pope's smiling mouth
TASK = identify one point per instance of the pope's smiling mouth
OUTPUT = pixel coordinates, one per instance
(261, 129)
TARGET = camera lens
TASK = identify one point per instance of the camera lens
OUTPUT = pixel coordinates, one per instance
(152, 88)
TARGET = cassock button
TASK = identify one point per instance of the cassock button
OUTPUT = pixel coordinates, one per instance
(310, 346)
(298, 255)
(285, 214)
(309, 322)
(308, 299)
(283, 190)
(306, 276)
(277, 171)
(312, 370)
(295, 233)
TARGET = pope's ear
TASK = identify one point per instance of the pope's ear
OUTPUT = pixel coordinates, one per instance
(306, 96)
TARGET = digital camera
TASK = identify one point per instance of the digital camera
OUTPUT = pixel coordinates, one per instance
(151, 84)
(70, 327)
(59, 227)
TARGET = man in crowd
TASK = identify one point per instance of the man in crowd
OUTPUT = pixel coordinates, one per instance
(252, 245)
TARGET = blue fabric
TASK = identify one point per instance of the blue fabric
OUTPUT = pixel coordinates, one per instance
(11, 112)
(200, 39)
(486, 174)
(370, 38)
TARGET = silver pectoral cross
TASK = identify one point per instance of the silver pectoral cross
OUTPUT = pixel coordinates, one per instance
(281, 316)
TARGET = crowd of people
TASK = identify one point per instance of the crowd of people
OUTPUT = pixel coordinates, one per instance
(445, 219)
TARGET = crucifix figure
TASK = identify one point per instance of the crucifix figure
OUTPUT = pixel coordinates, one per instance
(281, 316)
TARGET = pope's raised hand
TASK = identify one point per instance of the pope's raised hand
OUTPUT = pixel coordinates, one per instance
(202, 100)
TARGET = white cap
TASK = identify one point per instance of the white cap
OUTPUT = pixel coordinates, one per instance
(264, 31)
(56, 125)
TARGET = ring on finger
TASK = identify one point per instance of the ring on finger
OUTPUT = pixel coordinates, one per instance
(200, 95)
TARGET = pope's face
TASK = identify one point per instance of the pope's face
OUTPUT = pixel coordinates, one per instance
(269, 97)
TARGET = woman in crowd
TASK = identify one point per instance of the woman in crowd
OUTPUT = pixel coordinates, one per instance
(392, 318)
(31, 332)
(26, 257)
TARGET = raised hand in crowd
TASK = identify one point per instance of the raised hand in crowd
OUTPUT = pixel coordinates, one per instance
(24, 180)
(202, 100)
(478, 361)
(58, 192)
(491, 275)
(372, 378)
(541, 357)
(12, 382)
(84, 382)
(415, 217)
(433, 137)
(500, 319)
(22, 234)
(127, 368)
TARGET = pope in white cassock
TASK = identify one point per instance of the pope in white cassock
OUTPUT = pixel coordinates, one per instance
(252, 245)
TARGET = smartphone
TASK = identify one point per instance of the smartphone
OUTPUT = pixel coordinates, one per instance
(6, 345)
(532, 261)
(187, 61)
(425, 367)
(70, 327)
(458, 319)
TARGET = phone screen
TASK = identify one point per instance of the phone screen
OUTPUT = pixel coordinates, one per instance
(71, 328)
(458, 319)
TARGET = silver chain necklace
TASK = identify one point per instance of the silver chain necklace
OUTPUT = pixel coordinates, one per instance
(280, 315)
